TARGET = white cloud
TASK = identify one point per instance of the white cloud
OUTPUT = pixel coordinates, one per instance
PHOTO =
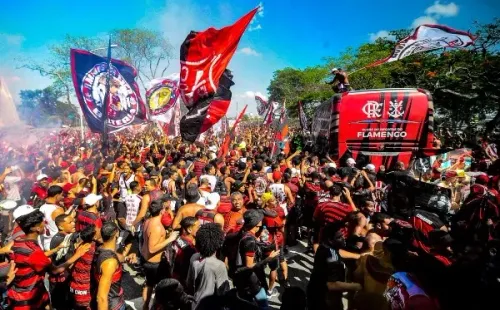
(11, 39)
(423, 20)
(260, 12)
(251, 95)
(380, 34)
(435, 12)
(445, 10)
(249, 51)
(255, 23)
(253, 28)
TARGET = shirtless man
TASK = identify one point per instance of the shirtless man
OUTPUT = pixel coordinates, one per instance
(340, 82)
(190, 208)
(155, 242)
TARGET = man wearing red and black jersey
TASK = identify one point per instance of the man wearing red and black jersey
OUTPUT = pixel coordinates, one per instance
(107, 266)
(184, 247)
(64, 241)
(424, 222)
(27, 291)
(332, 210)
(89, 215)
(80, 280)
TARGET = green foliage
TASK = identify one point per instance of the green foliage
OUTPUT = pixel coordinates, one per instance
(464, 82)
(43, 108)
(148, 51)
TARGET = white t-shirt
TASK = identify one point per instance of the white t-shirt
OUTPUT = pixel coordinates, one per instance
(12, 188)
(50, 225)
(212, 180)
(133, 204)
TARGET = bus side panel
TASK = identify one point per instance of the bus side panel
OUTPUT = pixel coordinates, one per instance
(384, 121)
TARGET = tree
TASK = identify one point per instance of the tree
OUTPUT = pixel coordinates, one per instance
(42, 107)
(148, 51)
(294, 85)
(464, 83)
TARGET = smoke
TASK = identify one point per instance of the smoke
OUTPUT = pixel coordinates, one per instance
(8, 112)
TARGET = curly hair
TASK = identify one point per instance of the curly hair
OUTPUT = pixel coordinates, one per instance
(209, 239)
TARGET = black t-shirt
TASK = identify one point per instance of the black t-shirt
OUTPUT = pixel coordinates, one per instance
(328, 267)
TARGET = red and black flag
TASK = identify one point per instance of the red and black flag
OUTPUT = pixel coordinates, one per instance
(230, 135)
(90, 74)
(205, 82)
(304, 123)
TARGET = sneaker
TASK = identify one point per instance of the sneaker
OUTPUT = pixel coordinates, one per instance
(272, 293)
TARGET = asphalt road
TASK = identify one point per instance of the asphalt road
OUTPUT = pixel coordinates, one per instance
(299, 265)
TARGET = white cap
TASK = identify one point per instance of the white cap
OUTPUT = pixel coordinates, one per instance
(332, 165)
(8, 204)
(22, 210)
(41, 177)
(370, 167)
(350, 161)
(213, 200)
(91, 199)
(335, 69)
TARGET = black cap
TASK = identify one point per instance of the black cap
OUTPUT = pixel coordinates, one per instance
(252, 218)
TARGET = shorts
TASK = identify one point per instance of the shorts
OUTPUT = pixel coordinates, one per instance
(152, 272)
(274, 264)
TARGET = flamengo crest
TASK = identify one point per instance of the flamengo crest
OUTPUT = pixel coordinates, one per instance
(396, 109)
(374, 109)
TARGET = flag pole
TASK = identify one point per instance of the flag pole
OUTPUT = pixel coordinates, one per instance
(105, 142)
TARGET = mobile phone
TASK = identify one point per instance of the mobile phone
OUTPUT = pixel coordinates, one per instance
(14, 168)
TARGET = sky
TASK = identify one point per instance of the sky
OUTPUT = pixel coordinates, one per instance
(283, 34)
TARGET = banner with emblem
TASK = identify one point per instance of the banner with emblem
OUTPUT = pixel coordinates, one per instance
(89, 73)
(161, 98)
(204, 79)
(428, 38)
(262, 105)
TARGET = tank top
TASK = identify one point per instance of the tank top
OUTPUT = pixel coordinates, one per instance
(133, 204)
(115, 295)
(125, 185)
(205, 216)
(86, 218)
(79, 284)
(154, 195)
(50, 225)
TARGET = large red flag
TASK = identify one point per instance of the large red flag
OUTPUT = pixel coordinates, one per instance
(204, 80)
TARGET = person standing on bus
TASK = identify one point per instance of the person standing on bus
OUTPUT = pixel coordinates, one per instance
(340, 82)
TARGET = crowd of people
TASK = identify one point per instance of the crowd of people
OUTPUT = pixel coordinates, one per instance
(209, 230)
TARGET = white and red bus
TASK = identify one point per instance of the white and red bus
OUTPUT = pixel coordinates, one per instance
(382, 126)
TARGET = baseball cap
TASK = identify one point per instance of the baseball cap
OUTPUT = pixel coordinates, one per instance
(41, 177)
(370, 167)
(22, 210)
(460, 173)
(335, 69)
(64, 165)
(350, 161)
(92, 199)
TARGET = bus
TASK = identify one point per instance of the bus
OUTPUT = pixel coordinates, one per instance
(382, 126)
